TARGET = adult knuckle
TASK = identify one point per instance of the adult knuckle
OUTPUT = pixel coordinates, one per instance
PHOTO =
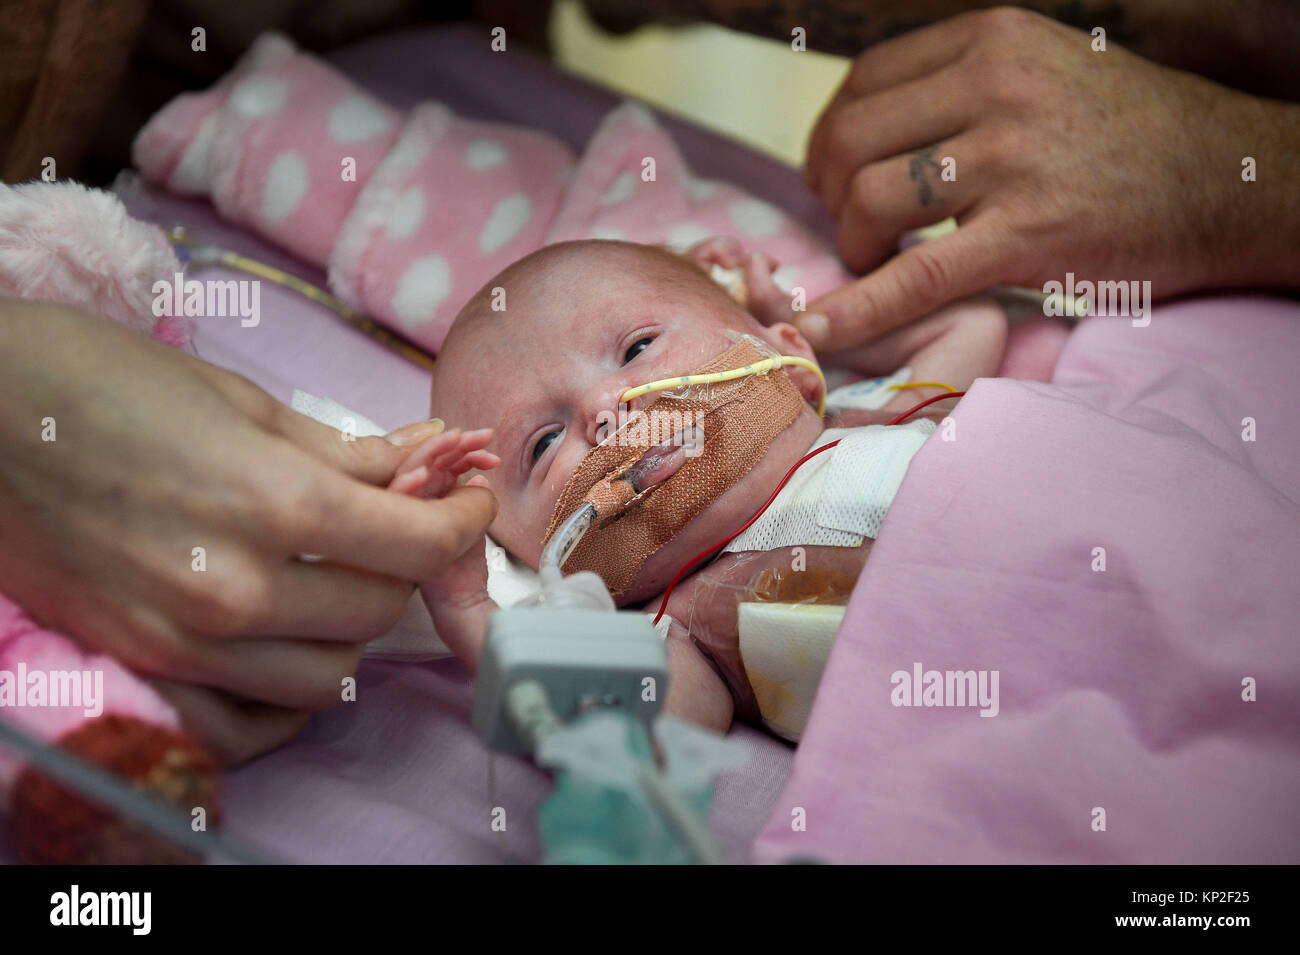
(1007, 20)
(268, 497)
(866, 193)
(999, 80)
(1001, 144)
(930, 277)
(232, 601)
(301, 503)
(839, 140)
(340, 664)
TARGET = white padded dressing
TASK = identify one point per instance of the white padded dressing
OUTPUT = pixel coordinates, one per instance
(842, 495)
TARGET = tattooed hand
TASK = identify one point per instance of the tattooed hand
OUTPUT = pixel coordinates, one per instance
(1053, 157)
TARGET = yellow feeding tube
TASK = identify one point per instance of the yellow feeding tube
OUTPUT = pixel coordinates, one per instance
(757, 368)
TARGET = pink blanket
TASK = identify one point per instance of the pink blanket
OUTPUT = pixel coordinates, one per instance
(1149, 712)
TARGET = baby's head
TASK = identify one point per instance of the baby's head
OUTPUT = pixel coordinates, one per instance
(543, 352)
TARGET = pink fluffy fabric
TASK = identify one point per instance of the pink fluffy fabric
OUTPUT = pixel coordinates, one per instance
(63, 242)
(27, 648)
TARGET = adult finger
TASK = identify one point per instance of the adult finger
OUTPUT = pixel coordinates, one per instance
(872, 128)
(390, 533)
(369, 459)
(299, 674)
(318, 600)
(232, 730)
(912, 284)
(372, 459)
(892, 63)
(911, 55)
(903, 193)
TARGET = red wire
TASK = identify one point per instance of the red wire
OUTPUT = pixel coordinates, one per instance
(928, 401)
(686, 569)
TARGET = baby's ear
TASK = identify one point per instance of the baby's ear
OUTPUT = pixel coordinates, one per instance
(788, 340)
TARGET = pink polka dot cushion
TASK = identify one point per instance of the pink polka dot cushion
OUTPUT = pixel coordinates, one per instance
(413, 213)
(632, 183)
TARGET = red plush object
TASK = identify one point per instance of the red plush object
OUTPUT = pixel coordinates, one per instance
(53, 825)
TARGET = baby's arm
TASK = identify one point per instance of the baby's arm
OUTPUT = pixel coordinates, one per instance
(955, 345)
(695, 691)
(457, 595)
(461, 609)
(709, 684)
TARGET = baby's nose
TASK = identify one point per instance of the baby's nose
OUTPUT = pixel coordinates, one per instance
(607, 414)
(602, 424)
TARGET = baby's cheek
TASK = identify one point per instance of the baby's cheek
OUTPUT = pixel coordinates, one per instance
(517, 530)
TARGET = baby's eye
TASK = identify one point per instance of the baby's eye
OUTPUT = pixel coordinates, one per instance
(638, 346)
(544, 442)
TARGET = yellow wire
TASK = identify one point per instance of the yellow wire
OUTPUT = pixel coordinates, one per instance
(757, 368)
(924, 384)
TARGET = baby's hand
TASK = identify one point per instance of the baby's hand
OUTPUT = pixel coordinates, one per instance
(457, 595)
(432, 468)
(752, 286)
(459, 604)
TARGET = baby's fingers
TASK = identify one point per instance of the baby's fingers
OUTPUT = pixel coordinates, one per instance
(425, 452)
(429, 481)
(483, 460)
(458, 461)
(721, 250)
(446, 447)
(412, 482)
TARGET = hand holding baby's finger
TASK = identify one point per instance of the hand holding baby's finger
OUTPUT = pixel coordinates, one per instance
(432, 469)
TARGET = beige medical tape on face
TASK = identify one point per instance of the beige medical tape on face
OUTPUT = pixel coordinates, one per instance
(725, 428)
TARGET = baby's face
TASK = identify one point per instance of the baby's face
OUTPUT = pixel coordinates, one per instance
(583, 323)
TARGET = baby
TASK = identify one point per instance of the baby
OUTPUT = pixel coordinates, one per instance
(541, 356)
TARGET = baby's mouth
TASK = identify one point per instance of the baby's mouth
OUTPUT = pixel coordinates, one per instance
(655, 466)
(659, 463)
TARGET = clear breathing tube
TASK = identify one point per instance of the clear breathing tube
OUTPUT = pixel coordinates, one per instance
(565, 540)
(654, 467)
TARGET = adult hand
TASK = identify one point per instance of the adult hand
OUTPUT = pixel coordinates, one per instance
(155, 454)
(1061, 159)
